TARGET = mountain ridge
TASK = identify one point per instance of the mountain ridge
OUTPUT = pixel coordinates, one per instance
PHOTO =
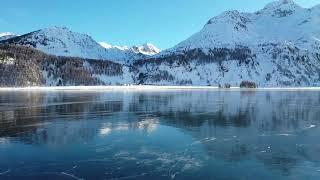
(61, 41)
(232, 27)
(277, 46)
(7, 35)
(146, 49)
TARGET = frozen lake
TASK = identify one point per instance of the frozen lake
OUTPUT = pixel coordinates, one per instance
(164, 134)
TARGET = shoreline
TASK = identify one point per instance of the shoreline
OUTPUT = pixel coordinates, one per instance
(151, 88)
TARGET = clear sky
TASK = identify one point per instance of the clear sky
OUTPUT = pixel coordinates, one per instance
(123, 22)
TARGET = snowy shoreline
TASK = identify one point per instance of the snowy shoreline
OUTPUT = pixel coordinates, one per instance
(150, 88)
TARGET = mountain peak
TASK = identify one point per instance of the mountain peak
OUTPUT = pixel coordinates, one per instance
(57, 28)
(150, 48)
(280, 3)
(279, 22)
(281, 8)
(283, 5)
(226, 16)
(146, 49)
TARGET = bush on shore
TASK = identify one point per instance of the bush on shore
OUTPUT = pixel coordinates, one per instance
(248, 84)
(227, 86)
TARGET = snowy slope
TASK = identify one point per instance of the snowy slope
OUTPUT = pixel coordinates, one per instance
(279, 22)
(6, 35)
(61, 41)
(276, 46)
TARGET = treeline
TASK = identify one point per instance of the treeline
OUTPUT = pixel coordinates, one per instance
(20, 66)
(185, 58)
(215, 55)
(24, 66)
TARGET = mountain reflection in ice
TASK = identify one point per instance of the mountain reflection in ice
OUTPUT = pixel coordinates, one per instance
(160, 135)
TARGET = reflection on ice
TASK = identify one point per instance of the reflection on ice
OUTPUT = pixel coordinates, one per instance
(204, 140)
(149, 125)
(311, 126)
(285, 135)
(105, 131)
(4, 141)
(176, 134)
(71, 175)
(5, 172)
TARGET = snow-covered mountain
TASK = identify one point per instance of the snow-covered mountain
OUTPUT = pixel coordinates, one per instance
(147, 49)
(61, 41)
(279, 22)
(7, 35)
(276, 46)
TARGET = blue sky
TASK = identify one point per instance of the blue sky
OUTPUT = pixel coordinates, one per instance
(123, 22)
